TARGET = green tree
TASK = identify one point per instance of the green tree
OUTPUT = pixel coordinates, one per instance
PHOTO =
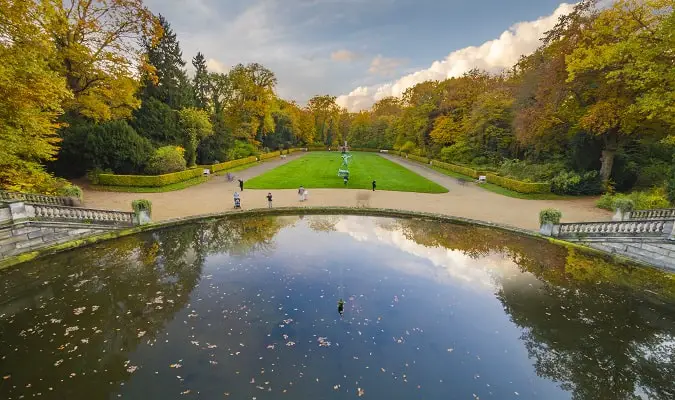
(158, 122)
(200, 82)
(165, 78)
(195, 126)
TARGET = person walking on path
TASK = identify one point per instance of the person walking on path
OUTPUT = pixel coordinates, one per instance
(269, 200)
(237, 200)
(241, 185)
(346, 180)
(301, 193)
(374, 185)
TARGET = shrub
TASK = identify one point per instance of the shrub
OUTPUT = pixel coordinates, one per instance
(654, 174)
(623, 204)
(418, 159)
(568, 182)
(142, 205)
(528, 172)
(646, 200)
(148, 180)
(72, 191)
(242, 150)
(549, 216)
(519, 186)
(110, 145)
(458, 169)
(232, 164)
(166, 160)
(407, 147)
(671, 188)
(267, 156)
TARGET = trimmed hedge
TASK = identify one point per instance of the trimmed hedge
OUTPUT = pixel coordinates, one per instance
(365, 150)
(232, 164)
(458, 169)
(418, 158)
(148, 180)
(266, 156)
(519, 186)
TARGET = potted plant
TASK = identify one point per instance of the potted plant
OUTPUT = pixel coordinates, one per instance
(623, 208)
(547, 218)
(74, 195)
(142, 211)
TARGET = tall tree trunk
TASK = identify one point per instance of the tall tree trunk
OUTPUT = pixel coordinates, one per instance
(608, 153)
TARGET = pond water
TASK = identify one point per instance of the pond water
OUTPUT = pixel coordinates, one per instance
(247, 309)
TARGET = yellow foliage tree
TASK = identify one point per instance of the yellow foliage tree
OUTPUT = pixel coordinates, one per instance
(32, 95)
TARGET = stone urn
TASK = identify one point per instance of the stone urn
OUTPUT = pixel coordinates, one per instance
(143, 217)
(546, 229)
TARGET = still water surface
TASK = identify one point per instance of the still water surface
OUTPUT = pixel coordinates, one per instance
(247, 309)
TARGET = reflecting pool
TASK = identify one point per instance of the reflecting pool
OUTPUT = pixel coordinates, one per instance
(247, 309)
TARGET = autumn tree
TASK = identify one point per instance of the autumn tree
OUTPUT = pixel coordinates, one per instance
(625, 59)
(195, 126)
(31, 101)
(325, 112)
(95, 51)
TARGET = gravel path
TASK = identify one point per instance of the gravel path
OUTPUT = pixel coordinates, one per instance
(468, 200)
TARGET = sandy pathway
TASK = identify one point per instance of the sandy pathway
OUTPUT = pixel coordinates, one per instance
(467, 201)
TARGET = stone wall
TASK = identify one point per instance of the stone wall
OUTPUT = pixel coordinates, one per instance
(661, 255)
(33, 235)
(26, 227)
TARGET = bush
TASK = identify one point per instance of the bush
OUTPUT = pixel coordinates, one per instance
(166, 160)
(266, 156)
(407, 147)
(232, 164)
(418, 159)
(142, 205)
(623, 204)
(72, 191)
(654, 174)
(110, 145)
(519, 186)
(568, 182)
(241, 150)
(458, 169)
(647, 200)
(148, 180)
(671, 188)
(528, 172)
(549, 216)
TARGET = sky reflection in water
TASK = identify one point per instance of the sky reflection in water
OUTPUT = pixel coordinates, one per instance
(248, 309)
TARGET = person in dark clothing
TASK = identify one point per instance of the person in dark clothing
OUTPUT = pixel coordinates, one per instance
(374, 185)
(341, 307)
(241, 185)
(269, 200)
(346, 179)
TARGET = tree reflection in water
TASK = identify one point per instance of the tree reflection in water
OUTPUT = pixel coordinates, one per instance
(596, 328)
(76, 318)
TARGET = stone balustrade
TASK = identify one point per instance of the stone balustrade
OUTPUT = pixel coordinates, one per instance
(6, 196)
(86, 215)
(632, 228)
(659, 214)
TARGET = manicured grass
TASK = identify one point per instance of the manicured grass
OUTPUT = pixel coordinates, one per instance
(503, 191)
(319, 170)
(140, 189)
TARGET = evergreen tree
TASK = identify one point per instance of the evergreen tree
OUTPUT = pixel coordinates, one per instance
(200, 82)
(166, 80)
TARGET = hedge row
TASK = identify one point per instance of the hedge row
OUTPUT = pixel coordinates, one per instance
(519, 186)
(265, 156)
(418, 158)
(458, 168)
(149, 180)
(232, 164)
(364, 150)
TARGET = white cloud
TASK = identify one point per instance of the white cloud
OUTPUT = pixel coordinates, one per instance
(495, 55)
(214, 65)
(384, 66)
(344, 55)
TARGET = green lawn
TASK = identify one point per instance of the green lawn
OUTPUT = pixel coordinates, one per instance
(319, 170)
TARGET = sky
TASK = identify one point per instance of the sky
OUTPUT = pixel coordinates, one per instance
(359, 50)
